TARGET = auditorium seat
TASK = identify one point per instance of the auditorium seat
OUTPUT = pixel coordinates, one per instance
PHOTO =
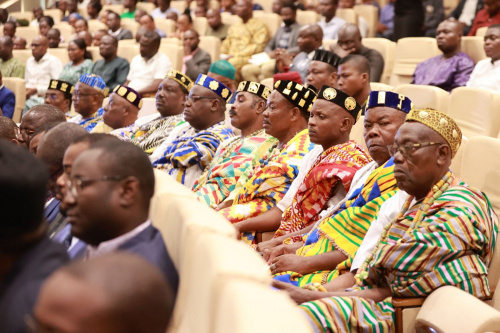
(212, 4)
(388, 50)
(94, 50)
(172, 40)
(179, 5)
(66, 30)
(425, 96)
(269, 82)
(410, 52)
(481, 32)
(18, 87)
(200, 24)
(28, 33)
(95, 25)
(267, 5)
(148, 107)
(370, 14)
(55, 13)
(23, 16)
(473, 46)
(328, 44)
(131, 25)
(211, 45)
(305, 17)
(348, 14)
(61, 54)
(22, 55)
(128, 51)
(174, 53)
(119, 9)
(148, 7)
(456, 162)
(357, 132)
(167, 26)
(377, 86)
(273, 21)
(230, 19)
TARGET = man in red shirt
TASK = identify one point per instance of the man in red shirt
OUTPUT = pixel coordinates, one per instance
(487, 16)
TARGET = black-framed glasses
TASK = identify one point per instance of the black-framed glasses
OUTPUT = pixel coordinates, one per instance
(195, 99)
(76, 184)
(408, 149)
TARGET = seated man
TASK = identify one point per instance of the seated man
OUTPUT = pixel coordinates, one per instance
(325, 174)
(9, 66)
(450, 70)
(88, 95)
(224, 72)
(28, 256)
(385, 25)
(59, 94)
(163, 9)
(486, 17)
(9, 130)
(486, 73)
(170, 100)
(190, 148)
(451, 225)
(20, 44)
(7, 100)
(9, 29)
(112, 214)
(196, 61)
(270, 177)
(465, 14)
(350, 42)
(96, 41)
(114, 24)
(111, 68)
(322, 70)
(35, 118)
(246, 38)
(215, 26)
(354, 77)
(362, 26)
(148, 69)
(148, 22)
(131, 5)
(330, 245)
(114, 293)
(331, 24)
(234, 156)
(54, 38)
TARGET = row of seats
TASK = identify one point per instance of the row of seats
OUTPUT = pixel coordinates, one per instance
(224, 285)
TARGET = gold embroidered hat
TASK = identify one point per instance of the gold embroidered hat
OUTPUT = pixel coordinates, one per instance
(342, 99)
(214, 85)
(132, 96)
(180, 78)
(63, 86)
(297, 94)
(254, 88)
(441, 123)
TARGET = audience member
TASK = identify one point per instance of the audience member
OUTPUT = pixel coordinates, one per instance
(486, 74)
(434, 14)
(59, 95)
(408, 19)
(173, 16)
(35, 118)
(354, 77)
(139, 13)
(111, 68)
(148, 22)
(94, 7)
(140, 32)
(28, 256)
(451, 69)
(215, 26)
(227, 6)
(362, 23)
(195, 61)
(191, 146)
(88, 95)
(7, 100)
(78, 64)
(33, 148)
(163, 9)
(86, 37)
(72, 8)
(276, 7)
(487, 16)
(115, 293)
(37, 14)
(5, 16)
(54, 38)
(9, 29)
(81, 25)
(148, 68)
(184, 23)
(322, 70)
(115, 29)
(331, 23)
(98, 36)
(9, 66)
(19, 43)
(385, 25)
(104, 16)
(45, 24)
(9, 130)
(224, 72)
(131, 6)
(465, 12)
(73, 18)
(200, 11)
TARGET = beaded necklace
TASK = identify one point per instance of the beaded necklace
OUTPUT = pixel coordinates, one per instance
(437, 190)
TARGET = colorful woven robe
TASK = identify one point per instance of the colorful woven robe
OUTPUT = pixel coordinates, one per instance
(345, 229)
(89, 123)
(453, 245)
(215, 185)
(191, 151)
(124, 133)
(152, 134)
(269, 183)
(337, 164)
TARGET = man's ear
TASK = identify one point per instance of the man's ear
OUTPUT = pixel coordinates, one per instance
(129, 191)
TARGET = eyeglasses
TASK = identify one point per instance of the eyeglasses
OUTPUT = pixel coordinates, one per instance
(77, 184)
(195, 99)
(51, 96)
(408, 149)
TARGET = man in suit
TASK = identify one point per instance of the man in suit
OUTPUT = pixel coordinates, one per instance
(7, 100)
(115, 29)
(196, 61)
(107, 203)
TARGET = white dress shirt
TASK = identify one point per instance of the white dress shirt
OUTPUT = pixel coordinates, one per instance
(143, 72)
(486, 75)
(39, 73)
(331, 28)
(468, 12)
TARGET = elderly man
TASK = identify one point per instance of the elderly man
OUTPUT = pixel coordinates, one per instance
(332, 116)
(486, 73)
(148, 22)
(235, 156)
(40, 69)
(269, 179)
(59, 94)
(112, 214)
(28, 256)
(215, 26)
(190, 148)
(9, 66)
(148, 68)
(322, 70)
(332, 242)
(432, 221)
(114, 293)
(349, 42)
(170, 100)
(354, 77)
(196, 61)
(35, 118)
(451, 69)
(115, 29)
(246, 38)
(88, 95)
(111, 68)
(331, 24)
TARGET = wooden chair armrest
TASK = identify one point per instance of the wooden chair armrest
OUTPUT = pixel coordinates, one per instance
(407, 302)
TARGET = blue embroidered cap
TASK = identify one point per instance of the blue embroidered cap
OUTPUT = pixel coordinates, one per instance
(389, 99)
(95, 82)
(214, 85)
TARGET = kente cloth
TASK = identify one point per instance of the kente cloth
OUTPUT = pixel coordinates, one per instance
(453, 245)
(271, 178)
(245, 39)
(152, 134)
(337, 165)
(345, 229)
(88, 123)
(231, 160)
(191, 151)
(125, 133)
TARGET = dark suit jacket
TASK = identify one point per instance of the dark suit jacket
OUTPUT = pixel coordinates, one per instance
(292, 44)
(149, 245)
(458, 11)
(124, 34)
(7, 102)
(198, 64)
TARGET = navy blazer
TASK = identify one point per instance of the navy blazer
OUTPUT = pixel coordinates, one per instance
(7, 102)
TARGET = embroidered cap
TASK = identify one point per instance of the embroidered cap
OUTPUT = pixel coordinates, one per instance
(327, 57)
(63, 86)
(223, 68)
(389, 99)
(132, 96)
(255, 88)
(342, 99)
(441, 123)
(180, 78)
(214, 85)
(297, 94)
(96, 82)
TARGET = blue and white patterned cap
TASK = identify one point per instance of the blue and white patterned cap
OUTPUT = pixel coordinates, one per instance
(95, 82)
(389, 99)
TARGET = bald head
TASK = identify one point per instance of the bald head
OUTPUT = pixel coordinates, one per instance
(310, 38)
(449, 37)
(39, 47)
(8, 129)
(349, 38)
(36, 117)
(114, 293)
(86, 36)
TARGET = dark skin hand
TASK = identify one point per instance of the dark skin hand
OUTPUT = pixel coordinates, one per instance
(270, 254)
(305, 265)
(271, 244)
(30, 92)
(224, 204)
(340, 51)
